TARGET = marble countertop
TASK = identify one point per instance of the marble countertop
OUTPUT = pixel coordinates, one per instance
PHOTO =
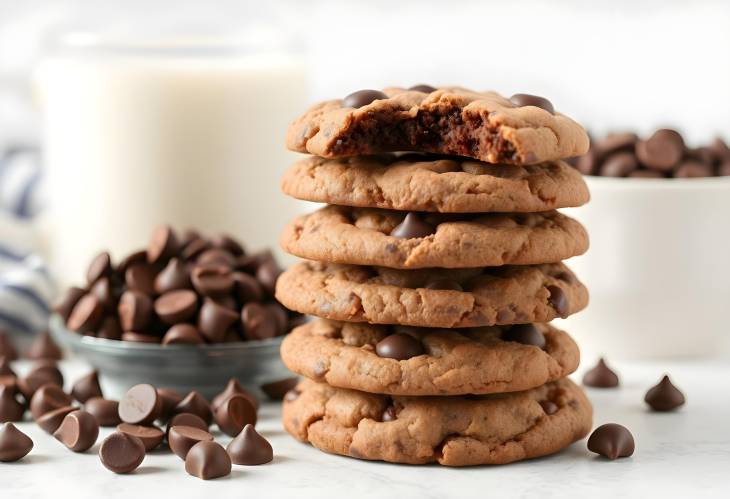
(686, 453)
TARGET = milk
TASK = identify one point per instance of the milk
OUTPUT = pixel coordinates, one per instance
(137, 138)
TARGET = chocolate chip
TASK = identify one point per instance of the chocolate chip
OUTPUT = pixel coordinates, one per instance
(247, 288)
(212, 280)
(86, 315)
(105, 411)
(110, 329)
(526, 334)
(195, 403)
(233, 387)
(10, 408)
(587, 163)
(140, 405)
(214, 320)
(226, 242)
(216, 256)
(362, 98)
(182, 438)
(399, 346)
(14, 444)
(250, 448)
(612, 441)
(5, 369)
(163, 244)
(139, 337)
(664, 396)
(47, 398)
(78, 431)
(267, 274)
(186, 419)
(182, 334)
(41, 374)
(208, 460)
(276, 390)
(7, 349)
(641, 173)
(121, 453)
(68, 301)
(234, 413)
(193, 249)
(389, 414)
(693, 169)
(43, 347)
(521, 100)
(103, 291)
(280, 317)
(51, 420)
(661, 151)
(549, 407)
(174, 276)
(131, 259)
(619, 164)
(558, 301)
(101, 266)
(176, 306)
(135, 310)
(444, 284)
(169, 399)
(140, 277)
(426, 89)
(87, 387)
(601, 376)
(151, 436)
(624, 141)
(412, 227)
(258, 322)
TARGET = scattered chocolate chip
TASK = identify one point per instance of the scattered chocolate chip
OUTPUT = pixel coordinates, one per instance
(362, 98)
(258, 322)
(234, 413)
(163, 244)
(135, 310)
(121, 453)
(68, 301)
(182, 438)
(51, 420)
(558, 301)
(664, 396)
(87, 387)
(151, 436)
(399, 347)
(412, 227)
(86, 314)
(78, 431)
(233, 387)
(521, 100)
(176, 306)
(527, 334)
(182, 334)
(207, 460)
(214, 320)
(186, 419)
(250, 448)
(444, 284)
(601, 376)
(195, 403)
(105, 411)
(47, 398)
(140, 405)
(10, 408)
(174, 276)
(39, 376)
(169, 399)
(43, 347)
(661, 151)
(14, 444)
(612, 441)
(276, 390)
(426, 89)
(549, 407)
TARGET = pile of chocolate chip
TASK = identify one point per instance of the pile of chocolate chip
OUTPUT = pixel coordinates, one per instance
(180, 290)
(74, 420)
(662, 155)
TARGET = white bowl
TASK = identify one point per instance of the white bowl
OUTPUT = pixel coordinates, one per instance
(658, 268)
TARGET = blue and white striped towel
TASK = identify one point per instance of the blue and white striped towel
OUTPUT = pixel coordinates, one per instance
(26, 288)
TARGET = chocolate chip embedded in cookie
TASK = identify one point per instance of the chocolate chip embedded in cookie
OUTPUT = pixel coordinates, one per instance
(367, 236)
(445, 362)
(430, 297)
(416, 182)
(453, 431)
(450, 120)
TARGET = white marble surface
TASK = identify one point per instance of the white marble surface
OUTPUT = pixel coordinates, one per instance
(685, 454)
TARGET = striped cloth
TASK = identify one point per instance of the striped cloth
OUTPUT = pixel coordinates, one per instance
(26, 288)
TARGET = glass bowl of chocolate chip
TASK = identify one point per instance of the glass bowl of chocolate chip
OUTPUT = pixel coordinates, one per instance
(658, 266)
(186, 312)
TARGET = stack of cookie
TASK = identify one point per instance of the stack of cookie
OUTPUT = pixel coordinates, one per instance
(435, 268)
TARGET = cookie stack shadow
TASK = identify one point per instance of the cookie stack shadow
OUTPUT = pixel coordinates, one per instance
(434, 272)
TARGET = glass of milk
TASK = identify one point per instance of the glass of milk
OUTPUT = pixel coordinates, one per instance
(186, 131)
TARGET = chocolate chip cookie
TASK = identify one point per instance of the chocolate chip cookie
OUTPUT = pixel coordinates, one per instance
(453, 431)
(481, 125)
(398, 360)
(444, 298)
(369, 236)
(419, 182)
